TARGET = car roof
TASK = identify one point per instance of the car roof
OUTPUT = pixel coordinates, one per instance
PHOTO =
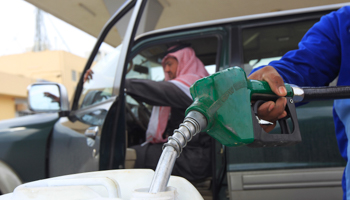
(246, 18)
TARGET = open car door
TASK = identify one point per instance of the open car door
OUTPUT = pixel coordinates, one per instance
(75, 142)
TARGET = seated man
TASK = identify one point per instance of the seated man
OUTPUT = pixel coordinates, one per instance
(170, 98)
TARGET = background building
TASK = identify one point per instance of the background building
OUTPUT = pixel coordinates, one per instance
(20, 70)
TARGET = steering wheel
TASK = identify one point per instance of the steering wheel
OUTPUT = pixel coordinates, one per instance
(143, 113)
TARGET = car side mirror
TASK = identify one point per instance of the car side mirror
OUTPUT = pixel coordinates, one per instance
(48, 97)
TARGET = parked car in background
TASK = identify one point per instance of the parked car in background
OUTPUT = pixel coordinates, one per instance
(95, 131)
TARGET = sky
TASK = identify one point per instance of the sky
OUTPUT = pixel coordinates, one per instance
(17, 35)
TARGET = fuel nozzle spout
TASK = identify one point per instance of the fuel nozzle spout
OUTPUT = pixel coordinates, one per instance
(193, 123)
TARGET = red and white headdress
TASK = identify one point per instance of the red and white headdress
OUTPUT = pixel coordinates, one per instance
(189, 70)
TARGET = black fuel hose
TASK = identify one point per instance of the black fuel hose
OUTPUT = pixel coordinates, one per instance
(326, 93)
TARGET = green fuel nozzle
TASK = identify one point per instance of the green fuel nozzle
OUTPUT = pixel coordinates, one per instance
(225, 97)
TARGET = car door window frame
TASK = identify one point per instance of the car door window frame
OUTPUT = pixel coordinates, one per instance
(119, 14)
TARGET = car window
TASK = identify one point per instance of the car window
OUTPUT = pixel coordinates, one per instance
(144, 68)
(146, 64)
(262, 44)
(100, 86)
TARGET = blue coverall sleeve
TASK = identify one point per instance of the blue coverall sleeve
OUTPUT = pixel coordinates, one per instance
(317, 61)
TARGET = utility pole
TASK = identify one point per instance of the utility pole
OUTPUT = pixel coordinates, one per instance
(40, 41)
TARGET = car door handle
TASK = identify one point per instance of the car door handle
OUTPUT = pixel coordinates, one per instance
(92, 132)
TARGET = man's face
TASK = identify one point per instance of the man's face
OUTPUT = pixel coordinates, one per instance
(171, 67)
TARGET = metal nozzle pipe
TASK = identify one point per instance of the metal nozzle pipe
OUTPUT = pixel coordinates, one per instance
(193, 124)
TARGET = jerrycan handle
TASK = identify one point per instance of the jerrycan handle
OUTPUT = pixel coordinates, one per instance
(288, 135)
